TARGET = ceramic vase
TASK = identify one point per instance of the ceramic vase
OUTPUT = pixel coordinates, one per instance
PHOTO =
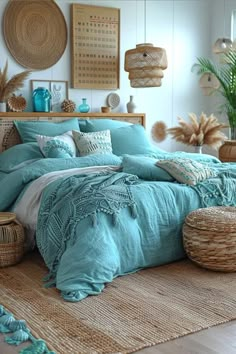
(131, 106)
(198, 149)
(3, 107)
(84, 107)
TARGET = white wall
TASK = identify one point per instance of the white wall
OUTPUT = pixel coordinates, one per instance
(185, 28)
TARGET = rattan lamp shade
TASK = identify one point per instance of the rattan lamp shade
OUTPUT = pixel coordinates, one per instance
(145, 65)
(35, 32)
(222, 45)
(208, 83)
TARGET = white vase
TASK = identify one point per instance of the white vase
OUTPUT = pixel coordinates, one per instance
(3, 107)
(198, 149)
(131, 106)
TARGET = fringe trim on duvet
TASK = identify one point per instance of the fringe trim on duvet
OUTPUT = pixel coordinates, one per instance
(17, 333)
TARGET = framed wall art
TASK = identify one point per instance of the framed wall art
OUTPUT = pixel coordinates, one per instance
(58, 90)
(95, 47)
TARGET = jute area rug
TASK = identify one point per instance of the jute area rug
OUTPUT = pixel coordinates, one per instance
(134, 311)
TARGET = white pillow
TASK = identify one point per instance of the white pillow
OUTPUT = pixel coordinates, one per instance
(186, 171)
(57, 146)
(93, 143)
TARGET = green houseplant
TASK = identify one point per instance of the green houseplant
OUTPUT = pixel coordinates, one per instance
(226, 75)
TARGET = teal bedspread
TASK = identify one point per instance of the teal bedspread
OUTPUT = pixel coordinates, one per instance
(94, 228)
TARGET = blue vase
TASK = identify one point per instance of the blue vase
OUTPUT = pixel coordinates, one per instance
(41, 100)
(84, 107)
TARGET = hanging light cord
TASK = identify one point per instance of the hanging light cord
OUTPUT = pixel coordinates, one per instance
(145, 18)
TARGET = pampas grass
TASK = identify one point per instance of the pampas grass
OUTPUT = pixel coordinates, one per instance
(159, 131)
(198, 132)
(8, 87)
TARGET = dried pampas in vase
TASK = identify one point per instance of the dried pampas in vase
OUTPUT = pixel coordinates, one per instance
(205, 131)
(8, 87)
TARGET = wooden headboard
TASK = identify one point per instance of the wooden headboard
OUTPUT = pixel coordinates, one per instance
(9, 135)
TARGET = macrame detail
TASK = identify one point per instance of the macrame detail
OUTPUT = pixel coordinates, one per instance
(222, 192)
(74, 199)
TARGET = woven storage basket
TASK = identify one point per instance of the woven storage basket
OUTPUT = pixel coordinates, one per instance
(11, 243)
(209, 237)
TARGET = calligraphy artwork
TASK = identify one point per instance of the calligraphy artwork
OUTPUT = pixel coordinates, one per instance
(95, 46)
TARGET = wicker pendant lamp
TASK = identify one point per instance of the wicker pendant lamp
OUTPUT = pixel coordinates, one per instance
(223, 44)
(208, 83)
(145, 63)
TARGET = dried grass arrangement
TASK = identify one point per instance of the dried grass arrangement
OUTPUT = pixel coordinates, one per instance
(8, 87)
(159, 131)
(198, 132)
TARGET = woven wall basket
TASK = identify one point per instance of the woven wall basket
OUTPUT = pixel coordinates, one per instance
(11, 244)
(209, 236)
(35, 32)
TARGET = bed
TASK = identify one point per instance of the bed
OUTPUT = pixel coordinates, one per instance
(98, 200)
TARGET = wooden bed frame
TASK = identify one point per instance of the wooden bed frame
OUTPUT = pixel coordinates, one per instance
(9, 135)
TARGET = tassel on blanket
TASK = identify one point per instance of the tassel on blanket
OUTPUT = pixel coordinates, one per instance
(20, 334)
(5, 320)
(134, 212)
(38, 347)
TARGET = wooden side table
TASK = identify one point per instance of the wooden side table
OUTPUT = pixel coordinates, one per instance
(227, 151)
(12, 239)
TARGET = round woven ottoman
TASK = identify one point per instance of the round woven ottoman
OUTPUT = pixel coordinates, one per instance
(209, 237)
(11, 240)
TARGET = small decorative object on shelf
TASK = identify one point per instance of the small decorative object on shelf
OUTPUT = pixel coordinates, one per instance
(41, 100)
(84, 107)
(16, 103)
(68, 106)
(8, 87)
(3, 106)
(105, 109)
(113, 100)
(131, 106)
(205, 131)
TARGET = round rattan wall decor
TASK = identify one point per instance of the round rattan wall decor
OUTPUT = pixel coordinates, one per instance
(35, 32)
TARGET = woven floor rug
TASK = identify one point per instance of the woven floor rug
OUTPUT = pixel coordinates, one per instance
(133, 312)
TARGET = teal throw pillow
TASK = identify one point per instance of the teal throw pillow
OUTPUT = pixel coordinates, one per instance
(93, 143)
(130, 140)
(95, 125)
(61, 146)
(19, 155)
(29, 129)
(186, 171)
(145, 168)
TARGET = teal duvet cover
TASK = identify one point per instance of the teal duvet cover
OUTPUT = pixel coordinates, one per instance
(93, 228)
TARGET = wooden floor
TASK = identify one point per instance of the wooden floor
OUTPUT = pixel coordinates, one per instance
(215, 340)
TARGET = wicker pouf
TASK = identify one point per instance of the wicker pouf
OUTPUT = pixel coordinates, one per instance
(11, 243)
(209, 237)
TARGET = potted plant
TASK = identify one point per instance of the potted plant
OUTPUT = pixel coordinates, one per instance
(8, 87)
(225, 73)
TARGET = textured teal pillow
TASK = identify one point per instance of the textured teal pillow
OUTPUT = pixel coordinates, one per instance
(17, 155)
(93, 143)
(187, 171)
(145, 168)
(95, 125)
(60, 146)
(130, 140)
(28, 130)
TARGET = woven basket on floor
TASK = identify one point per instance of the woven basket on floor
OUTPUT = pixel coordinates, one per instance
(209, 237)
(11, 243)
